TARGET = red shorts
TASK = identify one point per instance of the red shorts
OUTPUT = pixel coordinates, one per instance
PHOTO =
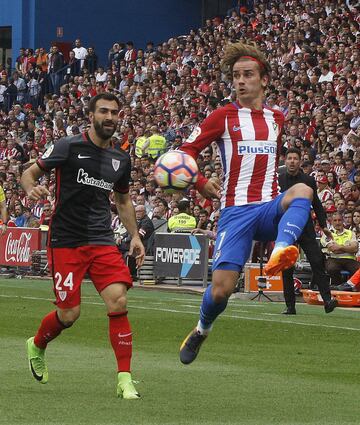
(104, 264)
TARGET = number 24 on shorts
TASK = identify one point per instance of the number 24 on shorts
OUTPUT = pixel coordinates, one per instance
(61, 283)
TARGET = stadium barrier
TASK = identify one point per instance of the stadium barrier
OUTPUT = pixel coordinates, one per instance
(181, 260)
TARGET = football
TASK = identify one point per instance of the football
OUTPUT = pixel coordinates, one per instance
(175, 170)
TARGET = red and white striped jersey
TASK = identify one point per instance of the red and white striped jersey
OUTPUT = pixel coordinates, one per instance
(325, 194)
(248, 142)
(338, 168)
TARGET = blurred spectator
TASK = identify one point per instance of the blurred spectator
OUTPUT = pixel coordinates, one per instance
(3, 212)
(324, 193)
(56, 63)
(80, 56)
(91, 61)
(145, 225)
(160, 223)
(10, 94)
(46, 214)
(20, 218)
(155, 144)
(184, 221)
(30, 220)
(340, 250)
(203, 220)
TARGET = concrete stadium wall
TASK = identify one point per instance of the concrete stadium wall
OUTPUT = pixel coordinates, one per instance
(34, 22)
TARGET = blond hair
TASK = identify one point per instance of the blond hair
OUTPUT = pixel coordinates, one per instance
(234, 51)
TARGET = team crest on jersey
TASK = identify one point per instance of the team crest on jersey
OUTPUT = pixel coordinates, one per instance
(47, 153)
(62, 295)
(275, 127)
(194, 135)
(115, 164)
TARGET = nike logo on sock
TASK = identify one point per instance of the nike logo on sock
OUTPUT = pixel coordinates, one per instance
(293, 225)
(120, 335)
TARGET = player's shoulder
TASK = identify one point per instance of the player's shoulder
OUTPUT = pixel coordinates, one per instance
(222, 111)
(70, 140)
(278, 115)
(219, 115)
(229, 108)
(120, 153)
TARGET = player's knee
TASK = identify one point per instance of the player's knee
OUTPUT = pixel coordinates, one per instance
(220, 293)
(117, 304)
(303, 191)
(69, 316)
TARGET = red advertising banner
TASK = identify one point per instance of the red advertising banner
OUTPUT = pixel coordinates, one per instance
(17, 245)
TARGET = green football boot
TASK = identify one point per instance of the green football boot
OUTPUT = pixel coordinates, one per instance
(37, 364)
(125, 387)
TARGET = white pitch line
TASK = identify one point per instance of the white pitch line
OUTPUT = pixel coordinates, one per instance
(169, 310)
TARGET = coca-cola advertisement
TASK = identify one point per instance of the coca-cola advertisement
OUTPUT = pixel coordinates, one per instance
(17, 245)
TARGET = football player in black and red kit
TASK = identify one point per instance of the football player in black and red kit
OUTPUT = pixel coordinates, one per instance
(80, 237)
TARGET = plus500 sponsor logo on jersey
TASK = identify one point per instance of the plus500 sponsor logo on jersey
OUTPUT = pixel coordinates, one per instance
(257, 148)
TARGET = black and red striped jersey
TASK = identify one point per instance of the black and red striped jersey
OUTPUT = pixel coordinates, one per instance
(85, 176)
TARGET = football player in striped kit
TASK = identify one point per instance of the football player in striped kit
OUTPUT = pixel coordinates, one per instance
(248, 137)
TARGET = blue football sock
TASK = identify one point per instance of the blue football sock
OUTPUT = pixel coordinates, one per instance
(293, 221)
(210, 310)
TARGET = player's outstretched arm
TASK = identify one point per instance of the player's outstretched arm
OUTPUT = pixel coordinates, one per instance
(127, 216)
(28, 182)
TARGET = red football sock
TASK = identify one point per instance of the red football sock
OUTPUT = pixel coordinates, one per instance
(121, 339)
(49, 329)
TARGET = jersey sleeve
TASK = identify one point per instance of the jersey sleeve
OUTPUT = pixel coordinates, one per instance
(55, 156)
(209, 131)
(122, 185)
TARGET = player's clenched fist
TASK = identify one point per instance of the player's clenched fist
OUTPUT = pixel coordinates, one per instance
(38, 192)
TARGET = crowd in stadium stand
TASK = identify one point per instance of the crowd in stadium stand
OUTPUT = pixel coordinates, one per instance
(167, 89)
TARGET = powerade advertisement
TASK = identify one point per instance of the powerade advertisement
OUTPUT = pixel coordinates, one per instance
(181, 255)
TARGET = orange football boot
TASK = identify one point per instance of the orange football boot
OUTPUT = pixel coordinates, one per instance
(281, 259)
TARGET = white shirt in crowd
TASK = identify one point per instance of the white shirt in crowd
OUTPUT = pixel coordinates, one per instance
(2, 89)
(80, 53)
(327, 78)
(101, 78)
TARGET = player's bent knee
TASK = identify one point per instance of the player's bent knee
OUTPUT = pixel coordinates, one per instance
(223, 284)
(69, 316)
(221, 293)
(303, 191)
(117, 304)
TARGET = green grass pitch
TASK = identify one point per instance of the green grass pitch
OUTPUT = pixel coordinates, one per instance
(258, 367)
